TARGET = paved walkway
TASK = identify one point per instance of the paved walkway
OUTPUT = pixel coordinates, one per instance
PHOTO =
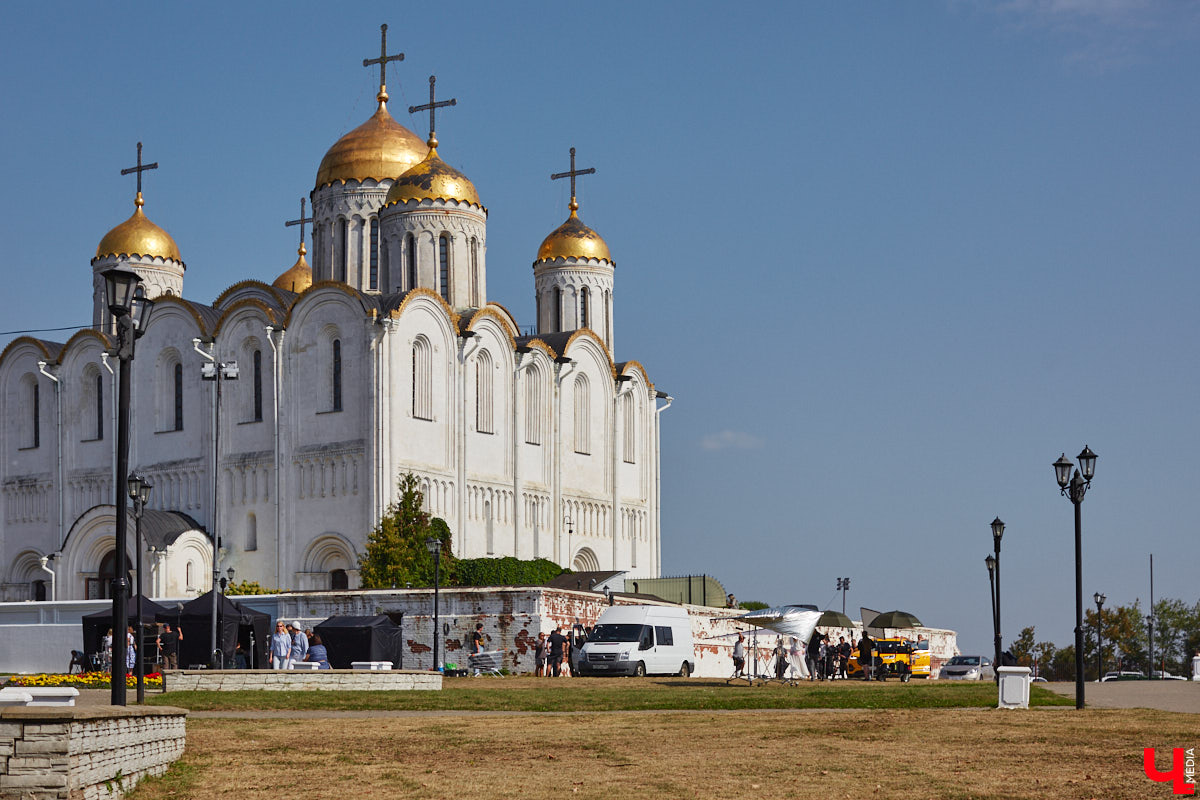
(1181, 696)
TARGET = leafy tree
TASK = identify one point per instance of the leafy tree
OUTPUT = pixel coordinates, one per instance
(752, 605)
(396, 553)
(1022, 647)
(248, 588)
(507, 571)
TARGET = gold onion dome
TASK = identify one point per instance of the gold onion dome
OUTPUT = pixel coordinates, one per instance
(432, 179)
(138, 236)
(380, 148)
(573, 239)
(298, 277)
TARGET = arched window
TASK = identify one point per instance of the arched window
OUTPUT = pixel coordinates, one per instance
(483, 393)
(251, 532)
(258, 386)
(374, 275)
(189, 575)
(608, 317)
(336, 375)
(556, 312)
(177, 397)
(338, 580)
(583, 307)
(99, 383)
(629, 428)
(583, 415)
(34, 395)
(444, 266)
(633, 540)
(339, 249)
(491, 533)
(108, 571)
(476, 294)
(533, 407)
(410, 255)
(422, 379)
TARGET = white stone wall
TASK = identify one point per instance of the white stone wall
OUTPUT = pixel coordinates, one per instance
(428, 221)
(349, 680)
(569, 276)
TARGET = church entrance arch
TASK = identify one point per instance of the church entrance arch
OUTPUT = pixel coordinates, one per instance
(105, 576)
(329, 563)
(585, 560)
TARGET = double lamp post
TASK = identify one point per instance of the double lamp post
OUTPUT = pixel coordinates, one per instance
(1074, 487)
(993, 568)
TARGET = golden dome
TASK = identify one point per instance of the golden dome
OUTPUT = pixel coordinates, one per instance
(380, 148)
(573, 239)
(138, 236)
(432, 179)
(298, 277)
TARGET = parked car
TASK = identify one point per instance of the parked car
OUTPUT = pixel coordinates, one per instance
(968, 668)
(1123, 675)
(640, 641)
(1165, 676)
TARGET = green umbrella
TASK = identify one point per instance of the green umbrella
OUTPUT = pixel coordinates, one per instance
(896, 619)
(834, 619)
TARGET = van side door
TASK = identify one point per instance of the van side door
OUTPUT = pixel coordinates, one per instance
(664, 651)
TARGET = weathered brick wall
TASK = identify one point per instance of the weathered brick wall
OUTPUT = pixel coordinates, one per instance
(88, 753)
(289, 680)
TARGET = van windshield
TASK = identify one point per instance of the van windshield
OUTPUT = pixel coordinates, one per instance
(627, 632)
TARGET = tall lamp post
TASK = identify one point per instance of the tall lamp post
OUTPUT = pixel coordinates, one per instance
(130, 314)
(1099, 598)
(139, 492)
(1150, 630)
(1074, 488)
(218, 373)
(991, 568)
(843, 585)
(434, 545)
(997, 535)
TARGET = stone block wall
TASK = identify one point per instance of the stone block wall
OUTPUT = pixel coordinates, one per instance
(362, 680)
(85, 753)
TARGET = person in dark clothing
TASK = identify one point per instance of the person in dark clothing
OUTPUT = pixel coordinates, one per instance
(812, 654)
(843, 652)
(169, 642)
(866, 652)
(477, 643)
(557, 641)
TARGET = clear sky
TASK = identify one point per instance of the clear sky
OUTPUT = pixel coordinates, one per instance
(891, 259)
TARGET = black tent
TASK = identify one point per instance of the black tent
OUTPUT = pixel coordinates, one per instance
(234, 624)
(97, 624)
(362, 639)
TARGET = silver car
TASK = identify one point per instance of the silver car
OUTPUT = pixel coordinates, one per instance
(967, 668)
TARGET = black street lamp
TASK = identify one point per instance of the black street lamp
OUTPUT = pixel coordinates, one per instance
(1099, 598)
(991, 568)
(1074, 488)
(1150, 657)
(434, 545)
(218, 373)
(843, 585)
(997, 535)
(131, 312)
(139, 492)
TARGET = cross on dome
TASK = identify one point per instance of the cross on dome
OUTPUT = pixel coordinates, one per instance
(139, 169)
(301, 222)
(432, 106)
(572, 174)
(382, 61)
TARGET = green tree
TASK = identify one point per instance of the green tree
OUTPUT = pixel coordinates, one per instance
(1022, 647)
(396, 553)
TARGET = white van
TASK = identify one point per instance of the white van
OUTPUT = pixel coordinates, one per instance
(640, 640)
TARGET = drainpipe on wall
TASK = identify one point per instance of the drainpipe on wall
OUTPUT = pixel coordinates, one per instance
(565, 367)
(464, 356)
(517, 505)
(50, 572)
(276, 374)
(59, 447)
(657, 569)
(112, 382)
(618, 437)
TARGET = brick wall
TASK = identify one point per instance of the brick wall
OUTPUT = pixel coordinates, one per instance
(287, 680)
(89, 753)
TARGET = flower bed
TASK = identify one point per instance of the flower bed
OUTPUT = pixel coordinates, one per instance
(87, 680)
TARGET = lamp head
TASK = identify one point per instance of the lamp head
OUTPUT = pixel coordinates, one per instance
(1087, 463)
(1062, 471)
(433, 545)
(991, 564)
(997, 530)
(120, 286)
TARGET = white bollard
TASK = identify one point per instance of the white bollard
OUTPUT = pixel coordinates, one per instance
(1196, 667)
(1014, 687)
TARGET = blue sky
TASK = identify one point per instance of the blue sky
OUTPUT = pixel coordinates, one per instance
(890, 258)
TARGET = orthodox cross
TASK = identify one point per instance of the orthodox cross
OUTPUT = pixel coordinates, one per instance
(572, 174)
(303, 219)
(433, 105)
(382, 61)
(139, 169)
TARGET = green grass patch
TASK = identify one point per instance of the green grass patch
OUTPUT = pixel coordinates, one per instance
(612, 695)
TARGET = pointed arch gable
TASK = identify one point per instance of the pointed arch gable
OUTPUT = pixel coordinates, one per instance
(631, 367)
(421, 292)
(252, 287)
(480, 317)
(43, 350)
(83, 338)
(352, 296)
(587, 341)
(202, 316)
(240, 305)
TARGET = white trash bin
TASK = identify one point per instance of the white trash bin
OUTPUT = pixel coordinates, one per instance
(1014, 687)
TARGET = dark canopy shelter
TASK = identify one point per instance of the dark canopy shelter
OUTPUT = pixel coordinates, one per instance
(96, 625)
(234, 624)
(362, 639)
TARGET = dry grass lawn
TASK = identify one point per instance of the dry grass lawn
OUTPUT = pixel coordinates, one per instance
(910, 754)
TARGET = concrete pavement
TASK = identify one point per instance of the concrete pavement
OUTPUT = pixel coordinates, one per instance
(1182, 696)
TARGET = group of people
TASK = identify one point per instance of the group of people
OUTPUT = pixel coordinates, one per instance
(166, 643)
(292, 644)
(557, 655)
(827, 661)
(820, 659)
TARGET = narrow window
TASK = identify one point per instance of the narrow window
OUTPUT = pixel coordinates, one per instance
(629, 424)
(491, 533)
(483, 393)
(374, 253)
(187, 575)
(533, 407)
(556, 318)
(422, 379)
(444, 266)
(99, 407)
(178, 397)
(410, 253)
(251, 533)
(37, 415)
(608, 318)
(475, 293)
(583, 307)
(337, 375)
(632, 542)
(340, 248)
(338, 580)
(258, 385)
(582, 416)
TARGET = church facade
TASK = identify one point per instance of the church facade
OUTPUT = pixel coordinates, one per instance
(382, 357)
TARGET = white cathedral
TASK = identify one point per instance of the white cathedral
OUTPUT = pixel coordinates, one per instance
(386, 356)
